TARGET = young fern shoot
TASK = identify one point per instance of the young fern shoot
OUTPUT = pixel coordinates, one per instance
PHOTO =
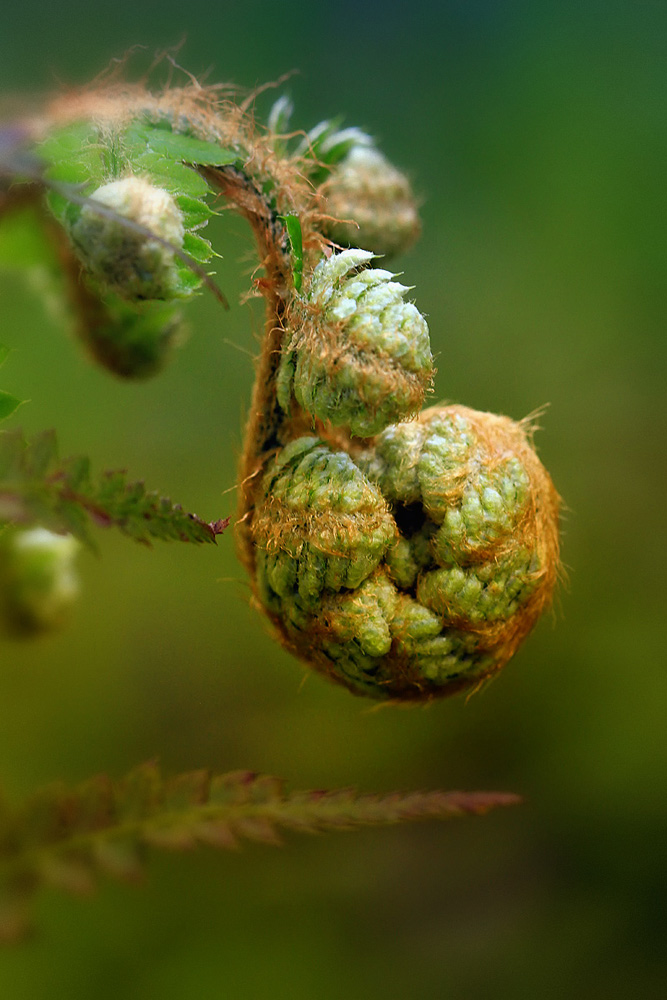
(404, 553)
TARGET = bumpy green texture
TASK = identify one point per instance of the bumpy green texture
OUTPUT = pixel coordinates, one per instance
(355, 353)
(371, 203)
(38, 583)
(437, 594)
(322, 525)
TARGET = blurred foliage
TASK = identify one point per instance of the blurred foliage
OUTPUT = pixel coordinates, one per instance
(68, 838)
(536, 134)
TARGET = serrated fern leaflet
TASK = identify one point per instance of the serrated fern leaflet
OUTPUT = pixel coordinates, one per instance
(36, 488)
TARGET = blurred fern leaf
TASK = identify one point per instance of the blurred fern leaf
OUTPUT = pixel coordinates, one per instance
(68, 838)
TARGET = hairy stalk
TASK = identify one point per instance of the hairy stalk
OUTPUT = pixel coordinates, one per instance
(265, 418)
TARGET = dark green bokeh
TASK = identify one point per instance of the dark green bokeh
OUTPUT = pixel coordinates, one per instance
(534, 133)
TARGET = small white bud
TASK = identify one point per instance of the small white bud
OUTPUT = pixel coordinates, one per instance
(38, 582)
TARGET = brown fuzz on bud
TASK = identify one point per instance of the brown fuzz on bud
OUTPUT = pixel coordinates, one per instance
(427, 586)
(355, 353)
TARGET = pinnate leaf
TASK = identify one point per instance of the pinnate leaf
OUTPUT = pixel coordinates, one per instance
(68, 838)
(36, 488)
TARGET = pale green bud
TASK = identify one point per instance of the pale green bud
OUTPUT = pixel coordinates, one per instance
(127, 261)
(38, 582)
(372, 203)
(321, 525)
(444, 598)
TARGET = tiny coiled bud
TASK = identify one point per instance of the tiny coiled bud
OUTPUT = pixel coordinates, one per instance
(38, 583)
(459, 557)
(371, 203)
(321, 525)
(355, 354)
(127, 261)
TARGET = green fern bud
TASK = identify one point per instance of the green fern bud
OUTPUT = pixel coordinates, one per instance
(321, 525)
(38, 583)
(355, 354)
(457, 570)
(371, 203)
(126, 261)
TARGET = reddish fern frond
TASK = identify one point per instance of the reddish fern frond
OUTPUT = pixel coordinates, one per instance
(68, 838)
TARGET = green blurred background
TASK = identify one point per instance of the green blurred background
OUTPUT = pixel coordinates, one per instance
(534, 133)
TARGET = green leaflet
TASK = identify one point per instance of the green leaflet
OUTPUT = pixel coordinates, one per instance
(8, 402)
(35, 488)
(197, 247)
(172, 175)
(195, 213)
(140, 138)
(293, 227)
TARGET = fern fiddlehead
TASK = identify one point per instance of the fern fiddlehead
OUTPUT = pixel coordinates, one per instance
(406, 559)
(414, 566)
(368, 190)
(355, 354)
(404, 554)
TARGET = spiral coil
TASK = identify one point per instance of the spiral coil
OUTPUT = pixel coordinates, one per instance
(411, 564)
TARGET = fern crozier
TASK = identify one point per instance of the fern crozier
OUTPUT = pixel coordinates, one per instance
(127, 262)
(355, 353)
(371, 203)
(449, 594)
